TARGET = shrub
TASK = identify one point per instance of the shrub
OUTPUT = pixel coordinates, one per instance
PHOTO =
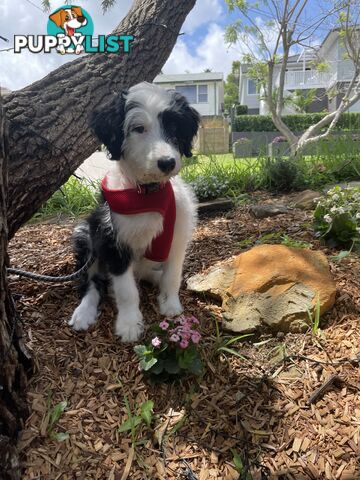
(282, 175)
(297, 123)
(241, 110)
(337, 217)
(208, 187)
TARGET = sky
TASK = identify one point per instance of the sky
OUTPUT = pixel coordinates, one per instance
(202, 46)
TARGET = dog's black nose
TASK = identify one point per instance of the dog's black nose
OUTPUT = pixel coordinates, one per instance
(166, 164)
(81, 19)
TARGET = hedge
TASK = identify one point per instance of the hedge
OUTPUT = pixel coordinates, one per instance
(297, 123)
(241, 109)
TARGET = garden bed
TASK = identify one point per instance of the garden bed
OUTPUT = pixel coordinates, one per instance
(256, 406)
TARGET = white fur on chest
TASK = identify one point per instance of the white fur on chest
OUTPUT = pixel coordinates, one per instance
(138, 230)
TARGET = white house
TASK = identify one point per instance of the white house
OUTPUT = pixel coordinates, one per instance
(204, 91)
(301, 74)
(4, 91)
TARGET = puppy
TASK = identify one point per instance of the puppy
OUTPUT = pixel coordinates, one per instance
(143, 226)
(69, 19)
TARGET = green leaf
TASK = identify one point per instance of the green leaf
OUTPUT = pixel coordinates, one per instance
(130, 424)
(56, 413)
(59, 436)
(340, 256)
(158, 367)
(146, 364)
(171, 366)
(236, 339)
(143, 351)
(146, 412)
(196, 367)
(237, 461)
(231, 351)
(140, 350)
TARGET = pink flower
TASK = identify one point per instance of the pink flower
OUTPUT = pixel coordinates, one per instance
(195, 337)
(182, 320)
(194, 320)
(186, 336)
(156, 342)
(184, 344)
(164, 325)
(174, 338)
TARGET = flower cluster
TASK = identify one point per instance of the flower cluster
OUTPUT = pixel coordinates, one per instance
(180, 331)
(208, 187)
(279, 139)
(173, 348)
(337, 215)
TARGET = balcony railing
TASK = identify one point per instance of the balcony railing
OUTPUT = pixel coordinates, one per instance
(306, 79)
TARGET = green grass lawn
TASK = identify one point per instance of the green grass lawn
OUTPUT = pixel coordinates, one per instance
(219, 175)
(214, 176)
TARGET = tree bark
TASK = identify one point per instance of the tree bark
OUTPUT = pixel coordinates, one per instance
(13, 358)
(49, 134)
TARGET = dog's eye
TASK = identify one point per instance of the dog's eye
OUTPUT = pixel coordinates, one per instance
(67, 17)
(139, 129)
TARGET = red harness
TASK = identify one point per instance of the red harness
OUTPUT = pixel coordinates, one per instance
(132, 201)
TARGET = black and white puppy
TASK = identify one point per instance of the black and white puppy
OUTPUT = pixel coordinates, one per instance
(146, 130)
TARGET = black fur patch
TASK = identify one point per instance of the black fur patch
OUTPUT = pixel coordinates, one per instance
(96, 236)
(180, 121)
(108, 125)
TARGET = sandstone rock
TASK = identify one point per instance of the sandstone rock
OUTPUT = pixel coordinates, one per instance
(268, 210)
(306, 200)
(271, 285)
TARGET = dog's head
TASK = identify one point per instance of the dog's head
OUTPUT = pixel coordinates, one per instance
(69, 19)
(148, 129)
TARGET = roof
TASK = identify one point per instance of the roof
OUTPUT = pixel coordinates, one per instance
(189, 77)
(336, 30)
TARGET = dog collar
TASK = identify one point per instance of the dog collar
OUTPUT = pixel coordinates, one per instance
(157, 197)
(150, 187)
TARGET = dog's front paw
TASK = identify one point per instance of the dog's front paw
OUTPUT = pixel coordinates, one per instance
(129, 325)
(83, 317)
(170, 306)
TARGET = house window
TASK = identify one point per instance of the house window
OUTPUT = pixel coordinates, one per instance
(194, 93)
(203, 94)
(252, 89)
(189, 92)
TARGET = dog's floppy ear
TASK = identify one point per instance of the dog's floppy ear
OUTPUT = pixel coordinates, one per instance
(188, 120)
(58, 18)
(78, 11)
(108, 125)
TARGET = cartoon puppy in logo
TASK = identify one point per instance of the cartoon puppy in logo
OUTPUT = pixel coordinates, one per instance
(69, 19)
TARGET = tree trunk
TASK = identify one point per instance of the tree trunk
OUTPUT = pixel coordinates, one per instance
(49, 135)
(13, 358)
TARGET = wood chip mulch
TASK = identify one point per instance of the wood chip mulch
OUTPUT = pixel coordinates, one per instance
(269, 406)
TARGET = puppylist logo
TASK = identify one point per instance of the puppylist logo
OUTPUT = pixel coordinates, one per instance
(70, 30)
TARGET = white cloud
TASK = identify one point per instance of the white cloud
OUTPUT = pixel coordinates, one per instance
(204, 11)
(21, 69)
(211, 52)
